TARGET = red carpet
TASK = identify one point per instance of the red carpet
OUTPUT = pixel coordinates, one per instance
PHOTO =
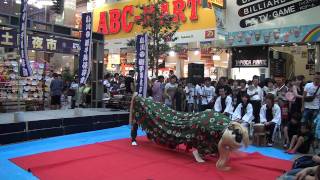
(118, 160)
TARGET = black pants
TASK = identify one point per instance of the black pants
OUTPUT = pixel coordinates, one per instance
(134, 132)
(256, 110)
(270, 130)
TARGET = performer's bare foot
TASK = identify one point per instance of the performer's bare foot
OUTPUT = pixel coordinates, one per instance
(197, 156)
(134, 143)
(226, 168)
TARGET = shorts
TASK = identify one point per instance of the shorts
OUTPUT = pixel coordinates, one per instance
(56, 100)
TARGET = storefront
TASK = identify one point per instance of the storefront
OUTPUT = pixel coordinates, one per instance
(197, 38)
(47, 55)
(290, 29)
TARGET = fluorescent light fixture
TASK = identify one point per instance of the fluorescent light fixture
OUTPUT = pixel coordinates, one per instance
(216, 57)
(37, 3)
(172, 53)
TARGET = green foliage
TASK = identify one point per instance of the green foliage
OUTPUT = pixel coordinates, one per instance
(67, 75)
(160, 29)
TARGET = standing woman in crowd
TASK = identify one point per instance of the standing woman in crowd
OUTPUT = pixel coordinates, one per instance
(298, 94)
(170, 91)
(158, 89)
(256, 96)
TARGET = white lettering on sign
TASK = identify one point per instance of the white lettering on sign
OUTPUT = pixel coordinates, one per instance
(7, 39)
(284, 11)
(257, 62)
(37, 42)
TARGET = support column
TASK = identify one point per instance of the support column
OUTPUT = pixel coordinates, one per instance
(317, 61)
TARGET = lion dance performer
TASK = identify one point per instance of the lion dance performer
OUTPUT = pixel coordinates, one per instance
(208, 132)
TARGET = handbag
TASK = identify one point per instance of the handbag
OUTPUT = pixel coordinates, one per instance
(311, 98)
(303, 162)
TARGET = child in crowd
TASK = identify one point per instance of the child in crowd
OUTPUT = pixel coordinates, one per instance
(301, 142)
(291, 129)
(190, 93)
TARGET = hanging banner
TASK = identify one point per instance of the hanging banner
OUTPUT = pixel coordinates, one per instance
(243, 57)
(142, 64)
(311, 56)
(25, 68)
(85, 48)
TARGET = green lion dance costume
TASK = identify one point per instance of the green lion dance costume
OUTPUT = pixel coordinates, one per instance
(208, 132)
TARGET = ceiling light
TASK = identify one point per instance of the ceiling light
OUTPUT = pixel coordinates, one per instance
(5, 2)
(216, 57)
(172, 53)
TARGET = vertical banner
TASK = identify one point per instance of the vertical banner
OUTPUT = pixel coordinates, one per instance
(25, 68)
(85, 48)
(311, 56)
(142, 64)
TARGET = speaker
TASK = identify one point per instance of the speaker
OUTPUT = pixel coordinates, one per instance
(195, 73)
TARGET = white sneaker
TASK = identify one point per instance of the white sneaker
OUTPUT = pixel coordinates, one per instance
(134, 143)
(270, 144)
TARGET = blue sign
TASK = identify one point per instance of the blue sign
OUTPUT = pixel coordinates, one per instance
(142, 64)
(25, 68)
(8, 38)
(85, 48)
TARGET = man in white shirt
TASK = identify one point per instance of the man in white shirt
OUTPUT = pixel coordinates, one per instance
(256, 96)
(223, 103)
(311, 99)
(197, 99)
(207, 93)
(270, 116)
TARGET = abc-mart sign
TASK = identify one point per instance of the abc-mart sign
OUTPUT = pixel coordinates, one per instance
(117, 20)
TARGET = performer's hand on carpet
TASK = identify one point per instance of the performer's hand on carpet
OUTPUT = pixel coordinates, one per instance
(197, 156)
(303, 173)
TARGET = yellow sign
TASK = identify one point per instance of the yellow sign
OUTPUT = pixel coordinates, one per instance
(219, 3)
(116, 20)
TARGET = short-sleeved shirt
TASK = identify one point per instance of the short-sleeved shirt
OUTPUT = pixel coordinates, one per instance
(171, 90)
(208, 94)
(310, 88)
(190, 94)
(56, 87)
